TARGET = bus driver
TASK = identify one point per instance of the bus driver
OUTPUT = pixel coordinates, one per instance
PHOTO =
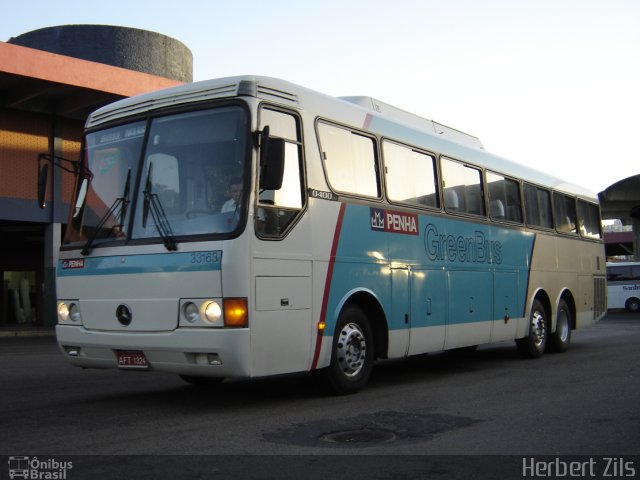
(235, 192)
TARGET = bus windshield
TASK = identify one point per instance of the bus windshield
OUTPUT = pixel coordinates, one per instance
(177, 175)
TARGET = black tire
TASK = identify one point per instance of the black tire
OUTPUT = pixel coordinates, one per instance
(534, 344)
(560, 339)
(633, 305)
(202, 382)
(352, 353)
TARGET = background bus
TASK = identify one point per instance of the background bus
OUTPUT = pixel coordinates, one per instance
(623, 285)
(362, 232)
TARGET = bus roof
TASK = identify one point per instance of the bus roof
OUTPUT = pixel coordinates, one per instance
(387, 121)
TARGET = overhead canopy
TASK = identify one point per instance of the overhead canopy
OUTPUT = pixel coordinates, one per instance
(43, 82)
(621, 200)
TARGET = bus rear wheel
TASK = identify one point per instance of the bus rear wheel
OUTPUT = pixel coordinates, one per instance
(560, 339)
(352, 353)
(533, 345)
(633, 305)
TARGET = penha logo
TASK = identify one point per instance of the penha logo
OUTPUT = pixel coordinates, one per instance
(394, 222)
(72, 263)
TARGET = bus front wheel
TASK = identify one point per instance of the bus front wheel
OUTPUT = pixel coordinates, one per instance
(352, 353)
(533, 345)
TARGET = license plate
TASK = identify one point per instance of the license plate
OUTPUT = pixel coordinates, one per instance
(132, 359)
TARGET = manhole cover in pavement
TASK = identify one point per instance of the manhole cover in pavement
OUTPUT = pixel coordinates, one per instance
(369, 429)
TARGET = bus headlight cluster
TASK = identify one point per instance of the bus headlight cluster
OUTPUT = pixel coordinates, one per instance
(69, 312)
(197, 312)
(228, 312)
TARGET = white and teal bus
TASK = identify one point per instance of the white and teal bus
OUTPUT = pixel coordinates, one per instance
(246, 227)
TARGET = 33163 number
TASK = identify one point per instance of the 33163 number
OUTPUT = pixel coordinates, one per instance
(205, 257)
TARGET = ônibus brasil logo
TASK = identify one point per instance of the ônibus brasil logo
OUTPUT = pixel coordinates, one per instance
(38, 469)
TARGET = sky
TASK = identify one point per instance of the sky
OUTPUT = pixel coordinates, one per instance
(554, 84)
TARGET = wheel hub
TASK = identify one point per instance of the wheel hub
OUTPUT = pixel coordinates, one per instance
(538, 329)
(352, 349)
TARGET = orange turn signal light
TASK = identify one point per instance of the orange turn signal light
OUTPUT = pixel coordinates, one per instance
(236, 312)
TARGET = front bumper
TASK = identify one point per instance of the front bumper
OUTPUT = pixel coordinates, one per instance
(186, 351)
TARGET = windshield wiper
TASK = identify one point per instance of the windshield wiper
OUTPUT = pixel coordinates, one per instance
(152, 203)
(117, 209)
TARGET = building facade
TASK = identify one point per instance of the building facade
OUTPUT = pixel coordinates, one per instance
(45, 98)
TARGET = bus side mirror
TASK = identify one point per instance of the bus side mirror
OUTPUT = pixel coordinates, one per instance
(43, 176)
(271, 163)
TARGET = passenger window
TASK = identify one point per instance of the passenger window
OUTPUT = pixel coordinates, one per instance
(504, 198)
(564, 210)
(620, 274)
(349, 160)
(410, 176)
(462, 188)
(589, 220)
(277, 209)
(537, 206)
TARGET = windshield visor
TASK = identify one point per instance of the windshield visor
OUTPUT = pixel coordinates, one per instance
(180, 175)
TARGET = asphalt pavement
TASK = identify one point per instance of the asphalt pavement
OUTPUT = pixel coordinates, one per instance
(434, 416)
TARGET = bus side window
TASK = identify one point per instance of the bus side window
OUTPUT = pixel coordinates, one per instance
(411, 175)
(463, 188)
(564, 209)
(537, 205)
(589, 220)
(277, 209)
(504, 198)
(619, 273)
(349, 160)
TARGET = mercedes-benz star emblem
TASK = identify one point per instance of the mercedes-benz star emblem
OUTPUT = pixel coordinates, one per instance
(124, 315)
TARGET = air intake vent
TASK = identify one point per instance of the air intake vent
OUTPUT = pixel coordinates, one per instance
(145, 103)
(268, 93)
(599, 297)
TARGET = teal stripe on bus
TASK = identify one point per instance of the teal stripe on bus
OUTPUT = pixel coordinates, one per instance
(135, 264)
(468, 271)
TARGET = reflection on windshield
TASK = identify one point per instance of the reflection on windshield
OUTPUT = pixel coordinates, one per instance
(193, 156)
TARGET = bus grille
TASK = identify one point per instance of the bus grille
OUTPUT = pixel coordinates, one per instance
(599, 297)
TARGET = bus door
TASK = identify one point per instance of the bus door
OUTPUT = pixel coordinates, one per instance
(281, 330)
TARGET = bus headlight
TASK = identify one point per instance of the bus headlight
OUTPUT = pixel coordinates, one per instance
(191, 312)
(214, 312)
(69, 311)
(211, 311)
(63, 312)
(74, 313)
